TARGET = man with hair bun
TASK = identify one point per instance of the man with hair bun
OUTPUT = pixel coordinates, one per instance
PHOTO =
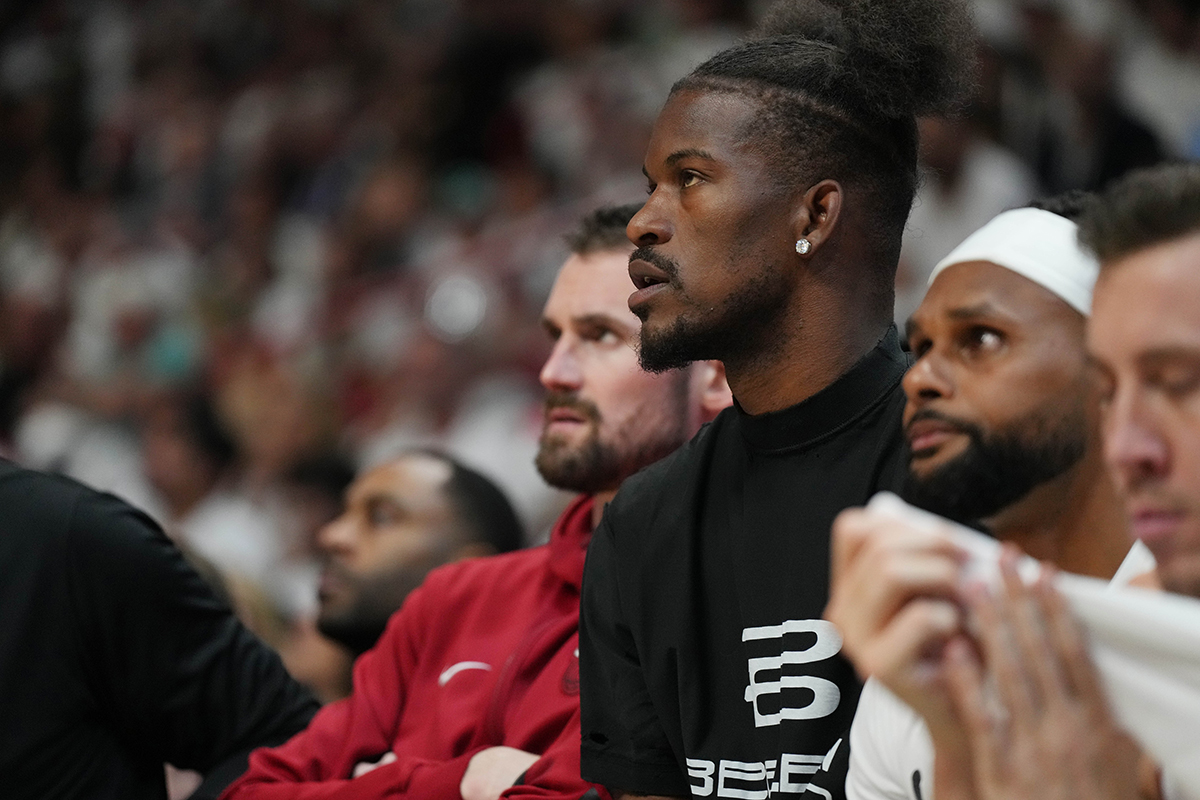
(781, 172)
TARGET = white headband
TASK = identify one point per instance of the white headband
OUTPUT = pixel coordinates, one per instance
(1038, 245)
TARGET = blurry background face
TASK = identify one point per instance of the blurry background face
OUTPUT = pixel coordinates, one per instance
(398, 524)
(175, 465)
(1145, 338)
(998, 396)
(605, 417)
(185, 450)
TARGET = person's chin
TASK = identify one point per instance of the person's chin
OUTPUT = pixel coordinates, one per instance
(668, 346)
(564, 433)
(927, 465)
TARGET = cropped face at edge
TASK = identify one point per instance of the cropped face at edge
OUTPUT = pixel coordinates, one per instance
(605, 417)
(1144, 339)
(999, 390)
(715, 237)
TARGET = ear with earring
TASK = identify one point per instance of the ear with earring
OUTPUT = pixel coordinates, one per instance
(803, 246)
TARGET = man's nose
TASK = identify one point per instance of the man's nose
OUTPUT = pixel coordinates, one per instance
(336, 536)
(1134, 446)
(928, 379)
(561, 371)
(648, 226)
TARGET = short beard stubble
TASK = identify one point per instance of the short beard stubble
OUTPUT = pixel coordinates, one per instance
(743, 328)
(599, 465)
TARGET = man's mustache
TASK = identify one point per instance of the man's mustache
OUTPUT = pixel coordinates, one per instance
(568, 400)
(653, 257)
(969, 428)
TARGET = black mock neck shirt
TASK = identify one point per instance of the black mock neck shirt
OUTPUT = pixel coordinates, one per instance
(706, 669)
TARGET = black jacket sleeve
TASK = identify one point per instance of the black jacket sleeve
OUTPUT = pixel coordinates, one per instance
(177, 675)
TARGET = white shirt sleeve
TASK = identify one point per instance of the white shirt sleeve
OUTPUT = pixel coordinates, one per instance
(891, 753)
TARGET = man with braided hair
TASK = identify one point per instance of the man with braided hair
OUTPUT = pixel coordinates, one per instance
(781, 172)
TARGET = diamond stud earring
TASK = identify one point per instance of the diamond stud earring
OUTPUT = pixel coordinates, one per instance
(803, 246)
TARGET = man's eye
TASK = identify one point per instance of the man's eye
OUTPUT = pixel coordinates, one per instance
(984, 340)
(605, 336)
(382, 516)
(1179, 381)
(919, 347)
(688, 178)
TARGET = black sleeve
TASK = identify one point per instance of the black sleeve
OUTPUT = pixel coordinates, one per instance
(178, 676)
(624, 746)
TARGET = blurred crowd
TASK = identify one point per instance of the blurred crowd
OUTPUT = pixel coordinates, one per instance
(248, 247)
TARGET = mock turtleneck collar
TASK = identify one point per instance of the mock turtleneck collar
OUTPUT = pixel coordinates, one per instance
(858, 390)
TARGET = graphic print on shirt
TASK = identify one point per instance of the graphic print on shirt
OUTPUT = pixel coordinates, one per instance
(778, 690)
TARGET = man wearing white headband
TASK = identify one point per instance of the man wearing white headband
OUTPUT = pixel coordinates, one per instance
(1000, 408)
(1000, 421)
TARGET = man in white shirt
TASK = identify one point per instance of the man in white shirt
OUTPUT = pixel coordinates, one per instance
(1042, 726)
(999, 418)
(1144, 343)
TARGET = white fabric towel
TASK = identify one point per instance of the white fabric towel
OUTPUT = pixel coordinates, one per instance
(1145, 644)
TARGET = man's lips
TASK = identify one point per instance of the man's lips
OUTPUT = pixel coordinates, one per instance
(565, 419)
(645, 275)
(925, 436)
(564, 414)
(1152, 523)
(649, 280)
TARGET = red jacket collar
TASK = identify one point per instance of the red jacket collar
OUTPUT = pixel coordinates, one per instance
(569, 540)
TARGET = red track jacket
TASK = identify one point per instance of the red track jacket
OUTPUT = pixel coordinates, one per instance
(484, 653)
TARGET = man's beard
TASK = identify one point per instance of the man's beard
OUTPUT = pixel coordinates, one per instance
(358, 634)
(733, 332)
(376, 599)
(999, 469)
(597, 465)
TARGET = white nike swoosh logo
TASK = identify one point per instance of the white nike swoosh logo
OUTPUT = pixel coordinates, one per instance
(451, 671)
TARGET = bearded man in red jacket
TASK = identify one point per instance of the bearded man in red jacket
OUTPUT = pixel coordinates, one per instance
(473, 690)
